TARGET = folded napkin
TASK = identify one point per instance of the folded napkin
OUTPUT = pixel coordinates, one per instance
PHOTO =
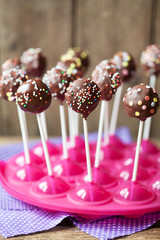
(19, 218)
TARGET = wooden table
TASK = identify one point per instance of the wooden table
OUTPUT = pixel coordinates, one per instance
(67, 231)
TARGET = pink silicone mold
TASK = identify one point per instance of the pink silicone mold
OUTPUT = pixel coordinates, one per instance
(69, 189)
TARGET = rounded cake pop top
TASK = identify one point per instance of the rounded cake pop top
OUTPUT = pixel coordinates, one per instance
(10, 63)
(71, 66)
(83, 96)
(141, 102)
(150, 60)
(34, 61)
(57, 80)
(77, 52)
(125, 64)
(10, 81)
(33, 96)
(108, 78)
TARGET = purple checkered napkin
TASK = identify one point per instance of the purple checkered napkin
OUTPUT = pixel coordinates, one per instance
(17, 217)
(116, 226)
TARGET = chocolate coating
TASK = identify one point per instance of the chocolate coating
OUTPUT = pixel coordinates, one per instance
(10, 63)
(125, 64)
(57, 80)
(108, 78)
(141, 102)
(83, 96)
(72, 66)
(150, 60)
(33, 96)
(76, 52)
(34, 62)
(10, 81)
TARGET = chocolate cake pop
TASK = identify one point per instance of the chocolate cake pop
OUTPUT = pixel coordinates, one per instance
(108, 78)
(10, 63)
(74, 53)
(83, 96)
(141, 102)
(57, 80)
(10, 81)
(33, 96)
(125, 64)
(72, 66)
(34, 61)
(150, 60)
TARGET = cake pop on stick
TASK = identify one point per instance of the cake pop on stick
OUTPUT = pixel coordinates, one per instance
(125, 64)
(77, 53)
(10, 63)
(150, 61)
(58, 80)
(108, 78)
(34, 62)
(34, 96)
(140, 102)
(10, 81)
(79, 57)
(83, 96)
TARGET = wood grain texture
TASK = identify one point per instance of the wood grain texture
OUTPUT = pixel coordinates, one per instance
(155, 129)
(70, 232)
(103, 27)
(33, 23)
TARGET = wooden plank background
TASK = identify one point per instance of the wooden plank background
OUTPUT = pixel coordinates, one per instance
(103, 27)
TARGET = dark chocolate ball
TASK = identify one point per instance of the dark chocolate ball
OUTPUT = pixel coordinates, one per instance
(33, 96)
(10, 81)
(83, 96)
(10, 63)
(77, 52)
(34, 61)
(150, 60)
(57, 80)
(71, 66)
(141, 102)
(108, 78)
(125, 64)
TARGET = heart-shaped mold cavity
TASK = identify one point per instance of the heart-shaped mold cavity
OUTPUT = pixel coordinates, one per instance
(66, 168)
(111, 153)
(126, 173)
(134, 193)
(51, 185)
(52, 149)
(28, 173)
(116, 142)
(89, 193)
(77, 155)
(102, 177)
(19, 160)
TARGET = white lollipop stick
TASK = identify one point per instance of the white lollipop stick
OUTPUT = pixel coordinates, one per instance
(41, 130)
(44, 124)
(147, 125)
(100, 130)
(134, 175)
(76, 120)
(63, 131)
(106, 123)
(115, 111)
(24, 133)
(87, 150)
(71, 127)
